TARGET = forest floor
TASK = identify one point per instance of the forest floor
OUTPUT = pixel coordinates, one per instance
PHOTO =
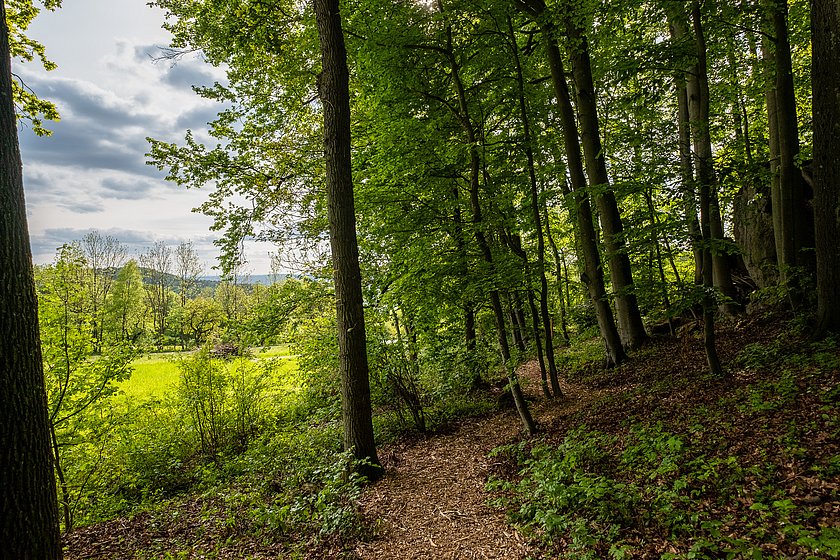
(433, 503)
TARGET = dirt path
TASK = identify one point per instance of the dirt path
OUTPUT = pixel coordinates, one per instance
(432, 502)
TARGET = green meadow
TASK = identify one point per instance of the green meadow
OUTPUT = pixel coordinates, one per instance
(153, 377)
(156, 375)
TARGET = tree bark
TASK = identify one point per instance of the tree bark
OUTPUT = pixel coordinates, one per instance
(28, 504)
(825, 80)
(698, 103)
(538, 229)
(687, 178)
(464, 119)
(697, 85)
(788, 195)
(697, 111)
(593, 275)
(333, 88)
(630, 325)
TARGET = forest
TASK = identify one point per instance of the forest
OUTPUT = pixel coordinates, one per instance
(553, 280)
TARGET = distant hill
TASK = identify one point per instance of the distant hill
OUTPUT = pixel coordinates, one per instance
(211, 281)
(253, 279)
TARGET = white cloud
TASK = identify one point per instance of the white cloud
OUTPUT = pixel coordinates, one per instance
(113, 90)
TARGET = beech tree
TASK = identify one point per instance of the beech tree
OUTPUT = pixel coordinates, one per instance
(629, 319)
(334, 91)
(790, 214)
(472, 120)
(593, 273)
(825, 29)
(28, 506)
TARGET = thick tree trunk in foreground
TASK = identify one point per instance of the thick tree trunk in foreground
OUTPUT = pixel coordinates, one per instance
(333, 87)
(28, 505)
(825, 79)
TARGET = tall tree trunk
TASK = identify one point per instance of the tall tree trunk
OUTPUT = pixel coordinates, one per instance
(593, 275)
(28, 503)
(768, 65)
(687, 183)
(697, 85)
(333, 87)
(825, 80)
(788, 197)
(463, 116)
(698, 104)
(562, 277)
(630, 325)
(536, 216)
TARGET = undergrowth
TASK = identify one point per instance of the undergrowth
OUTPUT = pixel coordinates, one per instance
(744, 470)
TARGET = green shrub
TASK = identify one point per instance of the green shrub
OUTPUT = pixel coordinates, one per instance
(569, 491)
(223, 400)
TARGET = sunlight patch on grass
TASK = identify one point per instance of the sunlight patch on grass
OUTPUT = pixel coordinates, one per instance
(153, 377)
(279, 351)
(156, 376)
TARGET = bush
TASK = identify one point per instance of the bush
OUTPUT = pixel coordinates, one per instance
(223, 399)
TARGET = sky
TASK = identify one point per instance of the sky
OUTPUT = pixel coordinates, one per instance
(112, 91)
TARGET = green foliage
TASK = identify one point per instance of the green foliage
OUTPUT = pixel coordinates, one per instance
(318, 350)
(125, 306)
(396, 371)
(152, 458)
(571, 491)
(19, 15)
(325, 503)
(78, 385)
(203, 392)
(223, 400)
(590, 493)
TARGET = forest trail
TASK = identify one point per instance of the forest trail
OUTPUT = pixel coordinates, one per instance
(432, 502)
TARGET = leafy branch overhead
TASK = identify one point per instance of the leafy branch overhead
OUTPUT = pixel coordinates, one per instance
(31, 108)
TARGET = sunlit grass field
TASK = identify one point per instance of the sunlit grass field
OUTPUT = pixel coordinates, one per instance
(153, 377)
(157, 375)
